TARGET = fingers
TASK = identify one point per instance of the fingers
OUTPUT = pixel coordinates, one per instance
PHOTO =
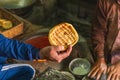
(59, 48)
(60, 54)
(110, 69)
(98, 69)
(93, 72)
(117, 78)
(65, 54)
(99, 75)
(110, 72)
(113, 73)
(113, 77)
(109, 76)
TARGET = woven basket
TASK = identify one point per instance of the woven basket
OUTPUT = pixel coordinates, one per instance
(17, 28)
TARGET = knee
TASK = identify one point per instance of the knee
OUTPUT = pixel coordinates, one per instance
(29, 70)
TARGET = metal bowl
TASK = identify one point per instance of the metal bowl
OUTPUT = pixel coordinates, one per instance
(39, 40)
(18, 7)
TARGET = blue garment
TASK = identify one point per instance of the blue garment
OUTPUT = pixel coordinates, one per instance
(10, 48)
(17, 72)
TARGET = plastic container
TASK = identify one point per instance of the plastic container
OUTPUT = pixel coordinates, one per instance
(79, 66)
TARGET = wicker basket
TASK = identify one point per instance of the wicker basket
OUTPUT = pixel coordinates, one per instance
(17, 28)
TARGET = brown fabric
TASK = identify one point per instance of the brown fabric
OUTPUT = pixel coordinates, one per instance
(105, 27)
(116, 46)
(115, 57)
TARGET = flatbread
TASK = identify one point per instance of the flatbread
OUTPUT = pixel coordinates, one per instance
(63, 34)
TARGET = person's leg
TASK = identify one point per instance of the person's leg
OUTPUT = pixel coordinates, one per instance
(115, 58)
(17, 72)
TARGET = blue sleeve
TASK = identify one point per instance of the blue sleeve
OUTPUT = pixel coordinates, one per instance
(3, 59)
(18, 50)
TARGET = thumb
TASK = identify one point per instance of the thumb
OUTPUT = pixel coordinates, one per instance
(108, 70)
(59, 61)
(59, 48)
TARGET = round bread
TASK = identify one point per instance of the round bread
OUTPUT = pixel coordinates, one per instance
(63, 34)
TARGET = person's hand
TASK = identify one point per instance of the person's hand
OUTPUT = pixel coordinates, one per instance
(98, 69)
(55, 53)
(114, 72)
